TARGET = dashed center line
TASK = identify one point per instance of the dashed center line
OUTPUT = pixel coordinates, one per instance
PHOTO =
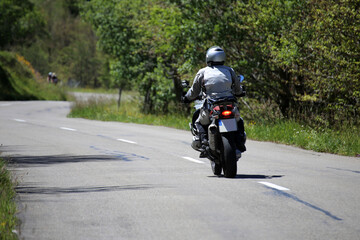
(68, 129)
(193, 160)
(126, 141)
(271, 185)
(19, 120)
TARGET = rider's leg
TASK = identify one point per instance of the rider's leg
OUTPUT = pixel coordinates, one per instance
(241, 136)
(202, 133)
(202, 124)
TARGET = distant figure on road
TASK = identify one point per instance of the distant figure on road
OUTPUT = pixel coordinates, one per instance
(49, 77)
(54, 78)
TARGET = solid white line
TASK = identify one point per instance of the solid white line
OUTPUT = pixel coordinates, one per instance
(19, 120)
(127, 141)
(5, 104)
(68, 129)
(274, 186)
(193, 160)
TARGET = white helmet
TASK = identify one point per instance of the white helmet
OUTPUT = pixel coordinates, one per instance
(215, 55)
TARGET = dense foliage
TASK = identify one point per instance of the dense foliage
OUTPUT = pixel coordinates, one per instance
(52, 36)
(19, 22)
(302, 56)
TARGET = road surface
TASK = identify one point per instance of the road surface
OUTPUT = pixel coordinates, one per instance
(83, 179)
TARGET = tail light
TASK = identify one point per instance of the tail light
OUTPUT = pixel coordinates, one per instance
(226, 113)
(222, 111)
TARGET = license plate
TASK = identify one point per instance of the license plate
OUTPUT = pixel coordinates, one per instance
(227, 125)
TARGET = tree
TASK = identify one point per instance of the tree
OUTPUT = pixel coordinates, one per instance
(116, 37)
(330, 63)
(20, 22)
(68, 45)
(301, 55)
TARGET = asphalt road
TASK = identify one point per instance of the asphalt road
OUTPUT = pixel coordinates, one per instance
(82, 179)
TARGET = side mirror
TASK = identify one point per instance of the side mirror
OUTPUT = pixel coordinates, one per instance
(185, 84)
(241, 78)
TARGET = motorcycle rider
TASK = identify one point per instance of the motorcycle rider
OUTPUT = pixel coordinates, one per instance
(49, 77)
(215, 81)
(54, 78)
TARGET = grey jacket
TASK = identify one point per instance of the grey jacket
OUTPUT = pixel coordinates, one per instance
(217, 81)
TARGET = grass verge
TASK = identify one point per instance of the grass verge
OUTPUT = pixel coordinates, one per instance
(93, 90)
(344, 142)
(128, 112)
(8, 220)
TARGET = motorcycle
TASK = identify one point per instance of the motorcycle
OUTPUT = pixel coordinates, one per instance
(224, 133)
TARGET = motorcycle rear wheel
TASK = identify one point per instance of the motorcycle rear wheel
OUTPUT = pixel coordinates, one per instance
(229, 160)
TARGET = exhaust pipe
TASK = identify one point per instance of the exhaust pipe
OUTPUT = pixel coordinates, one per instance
(212, 130)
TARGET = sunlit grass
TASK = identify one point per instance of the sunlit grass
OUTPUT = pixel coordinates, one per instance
(128, 112)
(92, 90)
(345, 142)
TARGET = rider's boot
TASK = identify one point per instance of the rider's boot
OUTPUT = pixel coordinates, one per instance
(204, 145)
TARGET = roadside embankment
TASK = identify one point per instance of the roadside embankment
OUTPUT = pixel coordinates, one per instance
(19, 81)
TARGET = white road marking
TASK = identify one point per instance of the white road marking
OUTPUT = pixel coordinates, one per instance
(68, 129)
(271, 185)
(193, 160)
(5, 104)
(127, 141)
(19, 120)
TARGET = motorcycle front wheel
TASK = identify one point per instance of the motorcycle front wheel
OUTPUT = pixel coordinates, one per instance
(229, 155)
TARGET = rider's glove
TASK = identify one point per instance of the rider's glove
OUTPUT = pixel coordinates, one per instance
(185, 99)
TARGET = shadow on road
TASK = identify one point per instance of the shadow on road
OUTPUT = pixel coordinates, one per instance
(252, 176)
(87, 189)
(257, 176)
(24, 161)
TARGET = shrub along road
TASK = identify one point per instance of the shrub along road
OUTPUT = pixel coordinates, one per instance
(83, 179)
